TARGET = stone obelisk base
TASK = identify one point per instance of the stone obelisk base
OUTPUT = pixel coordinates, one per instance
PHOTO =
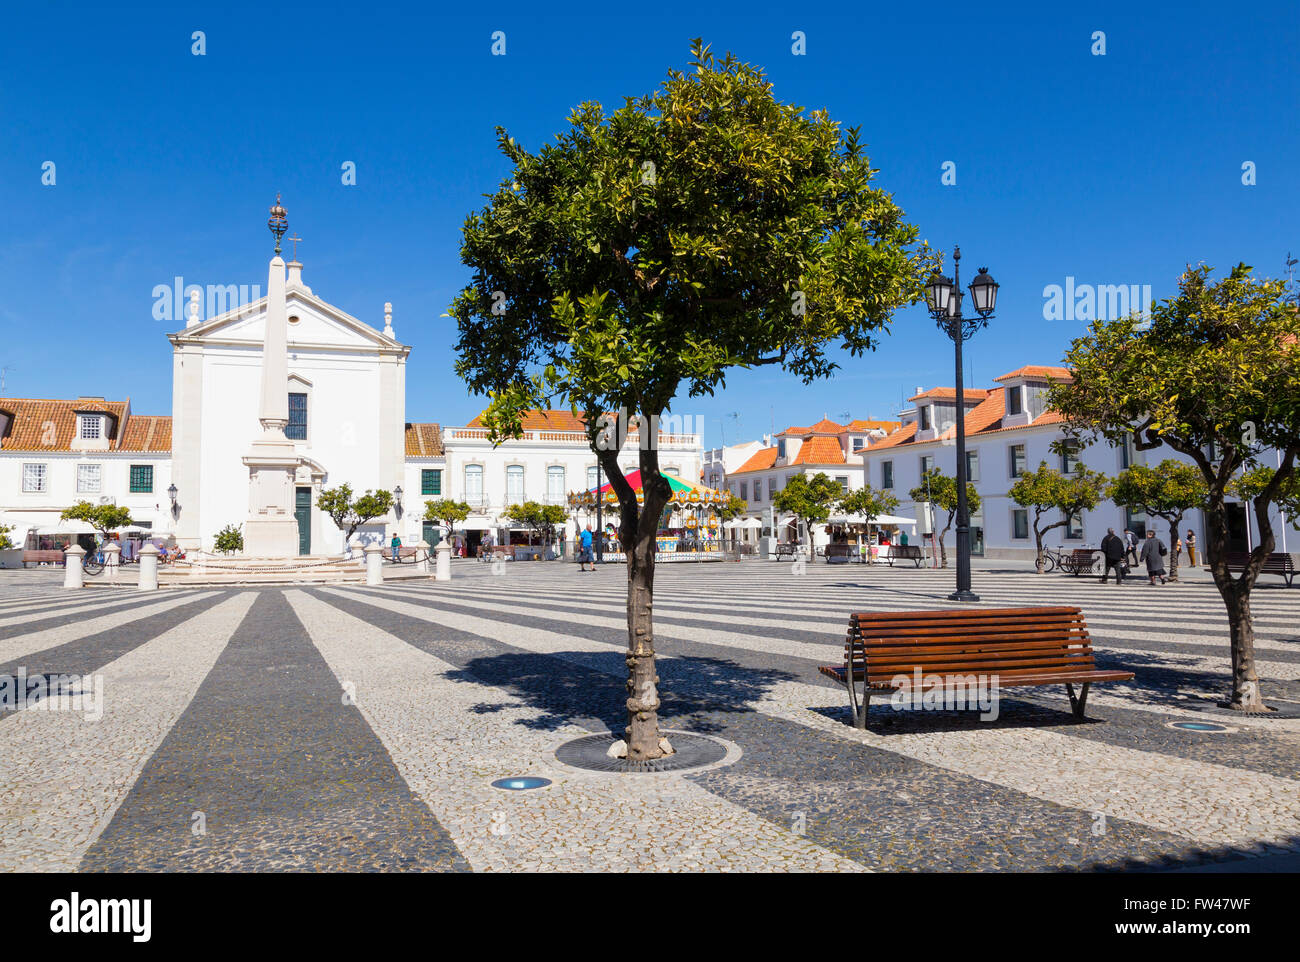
(271, 530)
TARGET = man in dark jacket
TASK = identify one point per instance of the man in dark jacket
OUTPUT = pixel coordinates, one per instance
(1112, 549)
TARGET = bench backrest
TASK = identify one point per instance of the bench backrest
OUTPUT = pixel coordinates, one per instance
(1082, 554)
(1010, 642)
(1276, 561)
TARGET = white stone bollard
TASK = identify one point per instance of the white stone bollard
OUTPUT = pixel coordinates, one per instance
(422, 552)
(443, 564)
(74, 576)
(112, 553)
(374, 564)
(149, 568)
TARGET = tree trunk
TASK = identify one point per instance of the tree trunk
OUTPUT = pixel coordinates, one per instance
(637, 529)
(1246, 695)
(1174, 525)
(943, 549)
(1038, 543)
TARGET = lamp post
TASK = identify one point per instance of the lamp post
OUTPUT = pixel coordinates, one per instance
(943, 298)
(600, 526)
(171, 493)
(397, 502)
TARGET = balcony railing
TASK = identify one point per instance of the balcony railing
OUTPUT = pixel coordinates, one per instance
(575, 437)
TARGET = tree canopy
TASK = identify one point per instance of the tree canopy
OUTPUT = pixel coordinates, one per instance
(809, 499)
(1213, 374)
(446, 513)
(1063, 495)
(648, 251)
(102, 517)
(348, 513)
(941, 490)
(868, 503)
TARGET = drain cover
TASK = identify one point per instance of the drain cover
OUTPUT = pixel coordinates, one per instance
(692, 751)
(521, 783)
(1206, 728)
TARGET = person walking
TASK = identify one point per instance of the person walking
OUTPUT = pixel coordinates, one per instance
(396, 545)
(1112, 550)
(1190, 542)
(1131, 546)
(1152, 555)
(584, 553)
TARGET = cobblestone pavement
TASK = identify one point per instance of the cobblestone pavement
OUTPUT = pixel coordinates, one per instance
(357, 728)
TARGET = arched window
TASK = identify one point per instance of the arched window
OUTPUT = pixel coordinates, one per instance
(474, 483)
(514, 484)
(555, 484)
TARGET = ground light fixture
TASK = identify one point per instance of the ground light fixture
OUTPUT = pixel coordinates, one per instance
(943, 299)
(521, 783)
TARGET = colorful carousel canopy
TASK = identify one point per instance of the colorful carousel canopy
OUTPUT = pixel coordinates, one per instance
(683, 492)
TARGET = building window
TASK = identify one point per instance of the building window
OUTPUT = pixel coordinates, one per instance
(296, 430)
(92, 427)
(843, 482)
(1019, 524)
(89, 478)
(35, 478)
(927, 464)
(1074, 526)
(1070, 457)
(886, 474)
(857, 444)
(1126, 453)
(555, 484)
(771, 487)
(591, 477)
(474, 483)
(430, 481)
(758, 489)
(1017, 460)
(780, 448)
(925, 417)
(1015, 404)
(514, 484)
(744, 490)
(142, 479)
(972, 465)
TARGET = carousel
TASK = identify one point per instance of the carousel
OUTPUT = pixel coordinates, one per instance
(690, 529)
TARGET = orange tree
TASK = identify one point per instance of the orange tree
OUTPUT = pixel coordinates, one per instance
(1214, 374)
(647, 252)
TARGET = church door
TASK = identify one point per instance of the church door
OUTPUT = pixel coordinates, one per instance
(302, 511)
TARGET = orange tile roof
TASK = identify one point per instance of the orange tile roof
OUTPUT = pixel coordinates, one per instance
(1047, 417)
(759, 461)
(49, 425)
(901, 436)
(887, 426)
(423, 440)
(147, 432)
(1039, 371)
(820, 450)
(826, 426)
(950, 394)
(537, 420)
(796, 431)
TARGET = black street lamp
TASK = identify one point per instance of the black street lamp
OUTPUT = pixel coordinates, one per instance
(944, 297)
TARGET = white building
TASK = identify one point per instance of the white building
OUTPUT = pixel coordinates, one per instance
(271, 402)
(1010, 430)
(825, 448)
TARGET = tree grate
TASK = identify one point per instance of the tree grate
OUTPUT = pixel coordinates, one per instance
(691, 751)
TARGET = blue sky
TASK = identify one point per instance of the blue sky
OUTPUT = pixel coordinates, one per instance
(1114, 169)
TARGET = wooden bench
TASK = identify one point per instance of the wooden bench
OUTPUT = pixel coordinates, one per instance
(841, 553)
(1277, 563)
(787, 550)
(905, 552)
(47, 556)
(1009, 646)
(1080, 561)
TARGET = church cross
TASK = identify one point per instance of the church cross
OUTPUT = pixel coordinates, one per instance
(295, 240)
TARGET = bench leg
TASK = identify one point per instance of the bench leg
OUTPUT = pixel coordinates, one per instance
(859, 715)
(1077, 703)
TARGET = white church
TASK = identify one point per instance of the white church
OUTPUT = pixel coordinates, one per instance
(271, 402)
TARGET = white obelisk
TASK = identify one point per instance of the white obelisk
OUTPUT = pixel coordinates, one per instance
(272, 530)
